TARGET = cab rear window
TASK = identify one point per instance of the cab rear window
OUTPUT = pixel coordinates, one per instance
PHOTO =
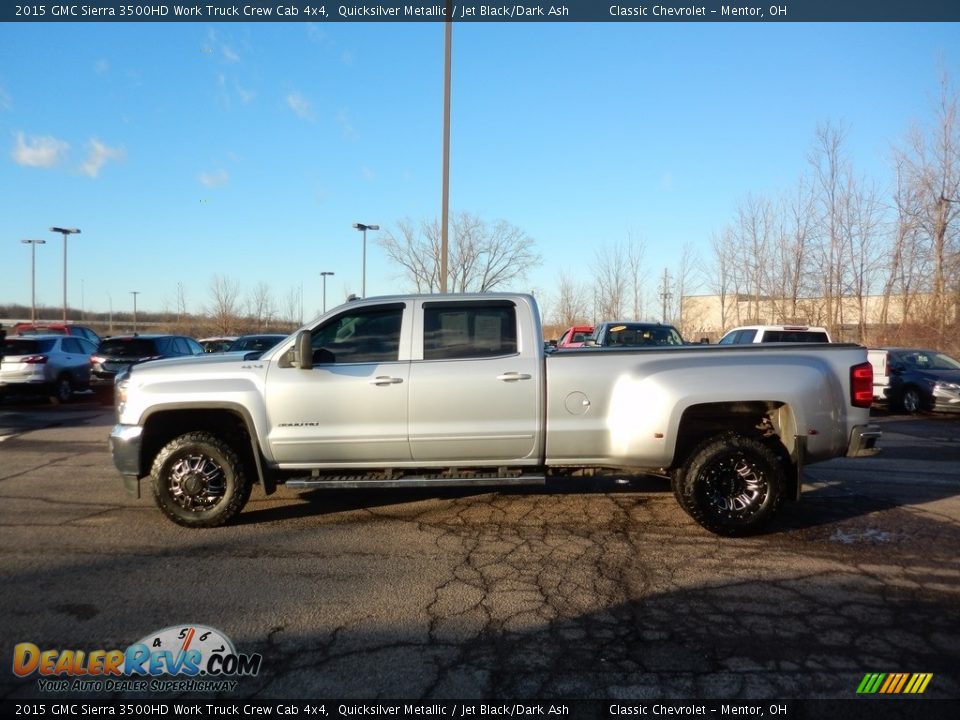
(794, 336)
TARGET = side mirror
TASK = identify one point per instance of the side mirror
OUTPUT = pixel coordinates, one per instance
(303, 352)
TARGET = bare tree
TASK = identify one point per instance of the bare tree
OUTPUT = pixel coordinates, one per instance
(293, 307)
(930, 167)
(483, 256)
(224, 307)
(571, 303)
(260, 306)
(720, 275)
(610, 283)
(684, 280)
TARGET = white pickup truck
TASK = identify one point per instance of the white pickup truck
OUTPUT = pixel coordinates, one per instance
(436, 390)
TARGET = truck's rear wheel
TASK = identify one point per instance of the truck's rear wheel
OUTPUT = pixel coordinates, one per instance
(199, 481)
(730, 484)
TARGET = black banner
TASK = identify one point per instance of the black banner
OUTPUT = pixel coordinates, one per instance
(854, 709)
(487, 11)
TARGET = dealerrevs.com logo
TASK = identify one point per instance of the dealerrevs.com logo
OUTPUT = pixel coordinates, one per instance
(200, 657)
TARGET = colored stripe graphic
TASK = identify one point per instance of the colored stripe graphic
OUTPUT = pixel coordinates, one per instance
(894, 683)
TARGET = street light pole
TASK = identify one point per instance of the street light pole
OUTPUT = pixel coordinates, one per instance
(65, 232)
(33, 276)
(134, 293)
(445, 193)
(324, 276)
(363, 228)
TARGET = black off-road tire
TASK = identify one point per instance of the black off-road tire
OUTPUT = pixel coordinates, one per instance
(199, 481)
(731, 484)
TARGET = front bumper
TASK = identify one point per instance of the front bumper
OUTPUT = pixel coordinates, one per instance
(863, 441)
(125, 441)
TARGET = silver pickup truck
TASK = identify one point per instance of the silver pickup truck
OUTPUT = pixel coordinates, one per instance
(436, 390)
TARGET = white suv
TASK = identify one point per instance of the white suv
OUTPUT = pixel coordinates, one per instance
(774, 333)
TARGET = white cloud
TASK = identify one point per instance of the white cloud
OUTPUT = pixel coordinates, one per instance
(101, 66)
(215, 179)
(368, 174)
(229, 54)
(300, 105)
(246, 96)
(97, 156)
(5, 102)
(343, 119)
(44, 151)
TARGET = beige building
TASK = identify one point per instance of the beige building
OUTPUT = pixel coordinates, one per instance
(706, 316)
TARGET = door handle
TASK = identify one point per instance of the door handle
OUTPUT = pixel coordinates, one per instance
(513, 376)
(384, 380)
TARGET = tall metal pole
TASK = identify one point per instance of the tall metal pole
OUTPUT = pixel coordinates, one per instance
(33, 276)
(324, 276)
(134, 293)
(65, 232)
(445, 212)
(363, 228)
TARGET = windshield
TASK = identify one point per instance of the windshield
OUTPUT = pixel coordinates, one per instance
(928, 360)
(633, 335)
(255, 343)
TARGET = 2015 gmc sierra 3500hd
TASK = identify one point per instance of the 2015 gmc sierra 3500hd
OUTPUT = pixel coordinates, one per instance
(437, 390)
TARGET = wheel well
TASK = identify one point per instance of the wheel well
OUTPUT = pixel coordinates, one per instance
(770, 421)
(162, 427)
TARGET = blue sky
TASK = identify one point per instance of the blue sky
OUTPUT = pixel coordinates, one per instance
(183, 150)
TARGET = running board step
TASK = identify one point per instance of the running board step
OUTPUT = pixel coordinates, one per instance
(312, 483)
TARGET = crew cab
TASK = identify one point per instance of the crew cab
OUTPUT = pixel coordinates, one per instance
(435, 390)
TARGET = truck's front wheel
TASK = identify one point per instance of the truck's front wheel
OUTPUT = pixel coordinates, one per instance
(199, 481)
(730, 484)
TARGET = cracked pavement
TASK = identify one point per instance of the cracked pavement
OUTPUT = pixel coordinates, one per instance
(595, 590)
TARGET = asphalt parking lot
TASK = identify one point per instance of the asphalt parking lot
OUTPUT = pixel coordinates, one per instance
(599, 590)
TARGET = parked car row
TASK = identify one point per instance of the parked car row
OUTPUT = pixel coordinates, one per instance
(60, 359)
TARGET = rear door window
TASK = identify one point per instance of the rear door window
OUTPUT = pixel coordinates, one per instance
(456, 331)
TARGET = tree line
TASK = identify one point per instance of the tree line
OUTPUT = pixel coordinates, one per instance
(876, 264)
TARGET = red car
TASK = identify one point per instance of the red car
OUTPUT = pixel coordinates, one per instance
(575, 336)
(55, 328)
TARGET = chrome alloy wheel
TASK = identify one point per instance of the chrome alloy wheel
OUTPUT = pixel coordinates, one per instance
(734, 485)
(197, 482)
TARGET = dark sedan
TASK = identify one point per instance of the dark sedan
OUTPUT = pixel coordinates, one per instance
(118, 353)
(921, 380)
(259, 343)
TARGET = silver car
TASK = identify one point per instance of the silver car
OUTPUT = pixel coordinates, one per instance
(56, 365)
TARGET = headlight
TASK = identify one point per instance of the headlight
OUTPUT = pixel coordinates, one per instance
(948, 386)
(120, 384)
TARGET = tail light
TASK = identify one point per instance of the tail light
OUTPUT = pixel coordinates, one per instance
(34, 359)
(94, 359)
(861, 385)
